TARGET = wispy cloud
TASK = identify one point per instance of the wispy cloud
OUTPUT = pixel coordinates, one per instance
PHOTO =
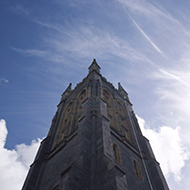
(145, 35)
(4, 80)
(44, 54)
(174, 89)
(170, 76)
(147, 9)
(169, 31)
(83, 42)
(50, 26)
(21, 10)
(141, 7)
(93, 42)
(32, 52)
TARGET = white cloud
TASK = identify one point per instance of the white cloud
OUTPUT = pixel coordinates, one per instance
(168, 148)
(4, 80)
(26, 153)
(3, 133)
(14, 164)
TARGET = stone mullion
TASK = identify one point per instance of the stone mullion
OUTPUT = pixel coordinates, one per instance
(117, 119)
(73, 118)
(89, 93)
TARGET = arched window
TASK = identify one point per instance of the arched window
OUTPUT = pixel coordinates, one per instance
(123, 120)
(108, 98)
(137, 170)
(80, 98)
(116, 152)
(83, 94)
(66, 120)
(64, 128)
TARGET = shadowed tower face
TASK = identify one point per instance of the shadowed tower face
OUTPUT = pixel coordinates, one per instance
(95, 143)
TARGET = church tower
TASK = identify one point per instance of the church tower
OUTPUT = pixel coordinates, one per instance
(95, 143)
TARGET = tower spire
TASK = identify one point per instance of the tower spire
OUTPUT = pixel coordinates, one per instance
(94, 66)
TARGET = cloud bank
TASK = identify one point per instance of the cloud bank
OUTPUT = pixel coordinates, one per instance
(168, 148)
(14, 164)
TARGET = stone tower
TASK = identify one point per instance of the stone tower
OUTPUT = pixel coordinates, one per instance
(95, 143)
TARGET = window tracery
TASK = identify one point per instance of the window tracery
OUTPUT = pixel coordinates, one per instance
(123, 120)
(64, 125)
(108, 98)
(80, 99)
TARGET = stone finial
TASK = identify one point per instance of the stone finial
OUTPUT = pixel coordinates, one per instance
(67, 92)
(120, 88)
(69, 87)
(94, 66)
(122, 91)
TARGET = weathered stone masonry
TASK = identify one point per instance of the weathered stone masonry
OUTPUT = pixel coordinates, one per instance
(95, 143)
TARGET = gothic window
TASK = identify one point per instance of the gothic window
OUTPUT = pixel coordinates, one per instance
(64, 128)
(67, 119)
(121, 110)
(108, 98)
(81, 97)
(106, 95)
(116, 152)
(137, 170)
(123, 120)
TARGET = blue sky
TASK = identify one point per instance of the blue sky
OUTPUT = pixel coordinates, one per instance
(45, 45)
